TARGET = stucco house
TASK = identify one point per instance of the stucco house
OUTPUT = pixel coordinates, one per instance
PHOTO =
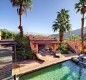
(38, 42)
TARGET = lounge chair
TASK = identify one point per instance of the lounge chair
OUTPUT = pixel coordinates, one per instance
(40, 57)
(58, 54)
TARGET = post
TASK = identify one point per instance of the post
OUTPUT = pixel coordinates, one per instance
(0, 35)
(15, 77)
(0, 38)
(14, 53)
(82, 31)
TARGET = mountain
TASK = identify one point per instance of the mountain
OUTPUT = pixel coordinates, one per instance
(74, 32)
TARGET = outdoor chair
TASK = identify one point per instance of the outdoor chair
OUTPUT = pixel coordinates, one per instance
(57, 54)
(39, 57)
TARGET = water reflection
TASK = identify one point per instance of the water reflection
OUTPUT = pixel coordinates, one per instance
(63, 71)
(80, 72)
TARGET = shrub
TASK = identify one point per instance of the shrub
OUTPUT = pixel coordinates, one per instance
(7, 34)
(63, 48)
(23, 49)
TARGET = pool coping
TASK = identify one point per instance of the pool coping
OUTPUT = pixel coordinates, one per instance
(45, 64)
(19, 75)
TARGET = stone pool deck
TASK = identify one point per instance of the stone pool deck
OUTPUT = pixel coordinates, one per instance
(32, 65)
(5, 63)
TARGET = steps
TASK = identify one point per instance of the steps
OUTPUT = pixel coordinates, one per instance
(75, 47)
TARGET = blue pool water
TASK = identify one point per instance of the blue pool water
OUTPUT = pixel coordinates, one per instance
(62, 71)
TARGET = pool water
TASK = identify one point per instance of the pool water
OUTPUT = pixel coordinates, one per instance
(62, 71)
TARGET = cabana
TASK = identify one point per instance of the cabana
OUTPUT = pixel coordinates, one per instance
(43, 42)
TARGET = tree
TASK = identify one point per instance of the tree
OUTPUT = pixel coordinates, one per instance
(22, 6)
(81, 7)
(75, 37)
(62, 23)
(6, 34)
(23, 49)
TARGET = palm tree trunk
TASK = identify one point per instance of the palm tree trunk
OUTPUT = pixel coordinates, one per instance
(20, 27)
(82, 30)
(20, 18)
(61, 36)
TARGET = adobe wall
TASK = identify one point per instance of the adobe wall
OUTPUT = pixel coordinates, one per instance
(53, 46)
(34, 47)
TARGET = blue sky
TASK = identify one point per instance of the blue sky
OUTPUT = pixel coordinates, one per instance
(40, 18)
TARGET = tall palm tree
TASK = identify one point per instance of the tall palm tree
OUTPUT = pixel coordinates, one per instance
(22, 6)
(62, 23)
(81, 7)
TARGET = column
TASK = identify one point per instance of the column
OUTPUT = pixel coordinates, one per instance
(0, 37)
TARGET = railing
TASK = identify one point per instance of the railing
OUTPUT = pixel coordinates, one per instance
(10, 43)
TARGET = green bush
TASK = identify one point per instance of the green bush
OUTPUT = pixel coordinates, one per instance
(23, 49)
(75, 37)
(7, 34)
(63, 48)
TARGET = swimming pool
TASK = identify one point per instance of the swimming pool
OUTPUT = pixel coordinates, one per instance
(63, 71)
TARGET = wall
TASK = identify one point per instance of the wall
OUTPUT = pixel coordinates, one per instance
(34, 47)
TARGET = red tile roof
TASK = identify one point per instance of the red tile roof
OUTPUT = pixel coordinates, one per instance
(38, 37)
(42, 39)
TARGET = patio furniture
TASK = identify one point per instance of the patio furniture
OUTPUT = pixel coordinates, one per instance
(40, 57)
(57, 54)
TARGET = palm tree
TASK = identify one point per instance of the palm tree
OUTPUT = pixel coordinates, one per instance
(62, 23)
(22, 6)
(81, 7)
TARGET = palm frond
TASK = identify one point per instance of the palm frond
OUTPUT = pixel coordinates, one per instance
(26, 4)
(68, 27)
(79, 5)
(55, 26)
(15, 3)
(61, 21)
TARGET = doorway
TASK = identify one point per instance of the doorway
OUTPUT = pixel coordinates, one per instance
(41, 46)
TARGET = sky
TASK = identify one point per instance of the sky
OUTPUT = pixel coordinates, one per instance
(41, 17)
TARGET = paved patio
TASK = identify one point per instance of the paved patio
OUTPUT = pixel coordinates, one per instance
(32, 65)
(5, 63)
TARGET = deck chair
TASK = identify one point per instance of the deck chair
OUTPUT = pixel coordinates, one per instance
(40, 57)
